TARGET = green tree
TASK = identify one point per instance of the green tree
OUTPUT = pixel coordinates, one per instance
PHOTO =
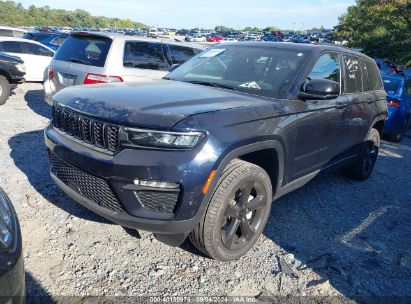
(14, 14)
(381, 27)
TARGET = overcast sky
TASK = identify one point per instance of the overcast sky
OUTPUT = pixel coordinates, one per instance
(207, 14)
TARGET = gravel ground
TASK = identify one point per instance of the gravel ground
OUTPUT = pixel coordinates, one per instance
(332, 237)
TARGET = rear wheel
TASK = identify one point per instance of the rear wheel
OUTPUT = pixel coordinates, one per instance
(399, 136)
(237, 213)
(363, 167)
(4, 90)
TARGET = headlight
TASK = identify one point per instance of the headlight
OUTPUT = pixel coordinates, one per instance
(160, 139)
(21, 67)
(6, 220)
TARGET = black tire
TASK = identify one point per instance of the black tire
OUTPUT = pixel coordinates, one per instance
(4, 90)
(399, 136)
(362, 168)
(233, 222)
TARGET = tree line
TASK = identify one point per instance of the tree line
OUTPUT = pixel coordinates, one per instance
(382, 28)
(14, 14)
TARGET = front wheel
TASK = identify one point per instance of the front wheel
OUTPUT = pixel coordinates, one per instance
(237, 213)
(363, 167)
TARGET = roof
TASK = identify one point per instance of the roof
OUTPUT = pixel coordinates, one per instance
(314, 48)
(118, 36)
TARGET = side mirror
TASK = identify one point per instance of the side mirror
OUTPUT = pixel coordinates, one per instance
(173, 67)
(319, 89)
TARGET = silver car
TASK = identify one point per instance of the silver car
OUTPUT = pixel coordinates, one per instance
(95, 57)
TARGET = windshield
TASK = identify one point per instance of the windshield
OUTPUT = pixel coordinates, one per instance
(265, 71)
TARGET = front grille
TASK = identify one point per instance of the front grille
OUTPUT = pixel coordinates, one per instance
(89, 186)
(158, 201)
(93, 132)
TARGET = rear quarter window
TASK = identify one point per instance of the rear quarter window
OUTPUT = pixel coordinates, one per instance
(372, 76)
(88, 50)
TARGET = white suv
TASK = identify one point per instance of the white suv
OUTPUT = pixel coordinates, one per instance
(90, 58)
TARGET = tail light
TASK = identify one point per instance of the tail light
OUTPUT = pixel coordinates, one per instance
(97, 78)
(51, 74)
(393, 102)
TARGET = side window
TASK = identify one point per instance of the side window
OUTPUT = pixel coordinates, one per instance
(58, 40)
(143, 55)
(180, 54)
(326, 67)
(35, 49)
(374, 78)
(11, 47)
(353, 75)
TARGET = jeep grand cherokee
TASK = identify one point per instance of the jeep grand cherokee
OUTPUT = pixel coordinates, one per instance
(204, 152)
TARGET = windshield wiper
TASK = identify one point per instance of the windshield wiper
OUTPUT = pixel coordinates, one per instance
(211, 84)
(75, 60)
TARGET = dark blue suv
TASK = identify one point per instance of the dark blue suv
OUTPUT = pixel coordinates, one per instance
(204, 152)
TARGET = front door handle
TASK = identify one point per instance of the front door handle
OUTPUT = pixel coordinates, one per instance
(370, 100)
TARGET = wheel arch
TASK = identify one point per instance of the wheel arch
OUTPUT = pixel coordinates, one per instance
(268, 154)
(5, 74)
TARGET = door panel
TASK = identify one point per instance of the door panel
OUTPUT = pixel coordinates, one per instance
(320, 124)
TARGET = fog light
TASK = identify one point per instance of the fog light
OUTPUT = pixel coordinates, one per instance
(156, 184)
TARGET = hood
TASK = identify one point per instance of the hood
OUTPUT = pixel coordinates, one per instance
(10, 58)
(155, 103)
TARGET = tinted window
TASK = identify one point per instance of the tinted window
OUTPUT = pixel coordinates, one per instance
(89, 50)
(58, 41)
(10, 47)
(326, 67)
(35, 49)
(180, 54)
(353, 75)
(372, 79)
(262, 71)
(143, 55)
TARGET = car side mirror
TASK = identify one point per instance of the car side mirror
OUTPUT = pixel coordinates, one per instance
(319, 89)
(173, 67)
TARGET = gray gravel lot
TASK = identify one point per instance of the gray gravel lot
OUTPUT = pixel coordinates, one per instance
(332, 237)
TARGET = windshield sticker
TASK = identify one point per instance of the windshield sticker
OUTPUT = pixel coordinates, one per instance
(212, 53)
(250, 85)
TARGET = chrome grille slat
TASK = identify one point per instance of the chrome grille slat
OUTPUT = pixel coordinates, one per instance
(97, 133)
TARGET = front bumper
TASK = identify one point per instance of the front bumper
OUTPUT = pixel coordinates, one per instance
(120, 170)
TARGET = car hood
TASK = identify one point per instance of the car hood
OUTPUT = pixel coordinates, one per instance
(154, 103)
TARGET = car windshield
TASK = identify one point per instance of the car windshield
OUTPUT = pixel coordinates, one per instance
(265, 71)
(391, 85)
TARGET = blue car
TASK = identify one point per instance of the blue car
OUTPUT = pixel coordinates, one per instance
(398, 90)
(51, 39)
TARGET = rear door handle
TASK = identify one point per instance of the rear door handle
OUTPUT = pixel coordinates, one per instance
(370, 100)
